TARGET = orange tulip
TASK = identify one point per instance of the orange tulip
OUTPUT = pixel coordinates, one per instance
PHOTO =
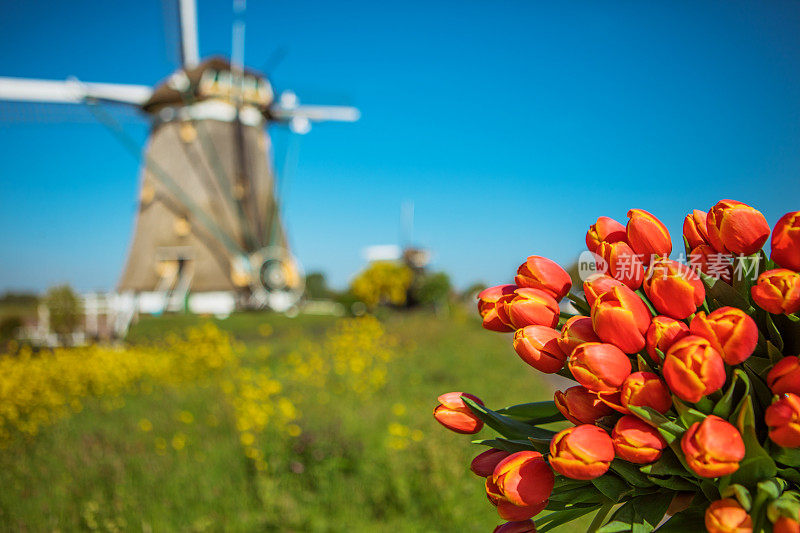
(785, 241)
(727, 516)
(599, 367)
(636, 441)
(784, 377)
(455, 415)
(736, 227)
(777, 291)
(520, 485)
(538, 346)
(528, 307)
(575, 331)
(729, 330)
(621, 318)
(581, 452)
(484, 463)
(713, 447)
(604, 230)
(579, 405)
(613, 399)
(645, 389)
(487, 307)
(622, 263)
(706, 259)
(674, 289)
(647, 235)
(783, 419)
(598, 284)
(784, 524)
(543, 274)
(693, 368)
(521, 526)
(694, 228)
(663, 333)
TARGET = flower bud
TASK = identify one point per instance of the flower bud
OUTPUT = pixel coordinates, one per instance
(528, 307)
(784, 524)
(736, 227)
(581, 452)
(522, 526)
(538, 346)
(727, 516)
(729, 330)
(598, 284)
(455, 415)
(694, 228)
(693, 368)
(579, 405)
(645, 389)
(636, 441)
(785, 241)
(713, 447)
(575, 331)
(543, 274)
(613, 399)
(520, 485)
(604, 230)
(663, 333)
(785, 376)
(487, 307)
(621, 318)
(599, 367)
(777, 291)
(673, 288)
(622, 263)
(783, 419)
(647, 235)
(706, 259)
(484, 463)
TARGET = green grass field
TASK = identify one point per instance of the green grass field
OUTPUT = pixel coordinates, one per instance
(185, 469)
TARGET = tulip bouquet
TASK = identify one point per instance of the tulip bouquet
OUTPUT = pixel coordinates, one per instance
(685, 414)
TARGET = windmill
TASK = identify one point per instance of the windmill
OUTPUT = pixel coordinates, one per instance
(208, 233)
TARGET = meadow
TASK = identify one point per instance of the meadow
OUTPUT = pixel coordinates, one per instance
(258, 422)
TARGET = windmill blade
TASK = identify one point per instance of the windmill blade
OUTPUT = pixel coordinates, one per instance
(187, 28)
(314, 113)
(71, 91)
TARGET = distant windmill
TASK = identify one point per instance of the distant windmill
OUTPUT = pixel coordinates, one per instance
(208, 232)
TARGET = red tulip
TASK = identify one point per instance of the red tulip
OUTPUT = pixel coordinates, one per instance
(784, 524)
(777, 291)
(621, 318)
(713, 447)
(484, 463)
(522, 526)
(736, 227)
(455, 415)
(706, 259)
(647, 235)
(520, 485)
(727, 516)
(729, 330)
(487, 307)
(663, 333)
(528, 307)
(581, 452)
(613, 399)
(693, 368)
(784, 377)
(636, 441)
(543, 274)
(785, 241)
(622, 263)
(579, 405)
(599, 367)
(694, 228)
(673, 288)
(783, 419)
(538, 346)
(598, 284)
(604, 230)
(575, 331)
(645, 389)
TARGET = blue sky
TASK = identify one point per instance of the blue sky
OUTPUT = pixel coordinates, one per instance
(510, 125)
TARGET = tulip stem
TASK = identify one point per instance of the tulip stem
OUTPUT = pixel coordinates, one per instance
(600, 517)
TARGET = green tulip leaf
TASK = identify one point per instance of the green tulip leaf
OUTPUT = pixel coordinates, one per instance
(710, 490)
(724, 407)
(667, 465)
(687, 414)
(621, 520)
(789, 474)
(643, 365)
(506, 426)
(580, 304)
(669, 429)
(676, 483)
(757, 464)
(533, 413)
(785, 456)
(774, 335)
(721, 293)
(691, 519)
(510, 446)
(740, 493)
(613, 487)
(630, 473)
(557, 518)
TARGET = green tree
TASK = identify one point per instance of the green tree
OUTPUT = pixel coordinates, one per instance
(317, 286)
(65, 311)
(383, 282)
(431, 289)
